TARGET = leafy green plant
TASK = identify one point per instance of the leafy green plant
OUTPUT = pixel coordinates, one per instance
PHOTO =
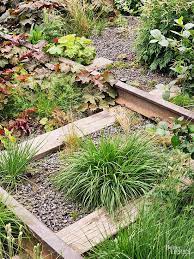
(36, 34)
(98, 93)
(129, 6)
(53, 25)
(111, 172)
(6, 137)
(183, 137)
(160, 14)
(75, 48)
(157, 233)
(183, 100)
(14, 161)
(7, 217)
(183, 51)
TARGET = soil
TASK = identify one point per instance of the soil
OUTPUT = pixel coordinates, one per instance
(118, 44)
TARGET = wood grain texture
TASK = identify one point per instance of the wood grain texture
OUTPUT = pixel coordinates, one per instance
(84, 234)
(149, 105)
(52, 141)
(56, 248)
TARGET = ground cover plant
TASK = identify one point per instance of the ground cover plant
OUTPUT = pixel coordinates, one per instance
(160, 15)
(111, 172)
(37, 88)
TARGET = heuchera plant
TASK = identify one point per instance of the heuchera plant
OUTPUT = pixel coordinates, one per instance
(73, 47)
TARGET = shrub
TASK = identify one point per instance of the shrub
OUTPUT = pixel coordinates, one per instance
(183, 50)
(160, 14)
(75, 48)
(14, 161)
(111, 172)
(157, 233)
(129, 6)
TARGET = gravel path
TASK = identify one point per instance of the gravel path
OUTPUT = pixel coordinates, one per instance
(41, 198)
(117, 44)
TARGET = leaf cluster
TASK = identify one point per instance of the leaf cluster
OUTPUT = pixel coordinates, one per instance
(73, 47)
(132, 7)
(183, 49)
(160, 14)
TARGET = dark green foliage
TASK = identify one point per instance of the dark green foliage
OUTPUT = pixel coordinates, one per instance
(111, 172)
(160, 14)
(183, 136)
(183, 100)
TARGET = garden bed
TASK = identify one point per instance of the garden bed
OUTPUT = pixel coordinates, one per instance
(38, 194)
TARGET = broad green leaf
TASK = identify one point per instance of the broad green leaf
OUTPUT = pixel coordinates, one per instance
(186, 34)
(175, 141)
(191, 128)
(156, 34)
(189, 26)
(55, 50)
(164, 42)
(153, 41)
(180, 21)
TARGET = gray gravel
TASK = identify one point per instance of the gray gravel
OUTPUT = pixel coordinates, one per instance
(40, 197)
(117, 44)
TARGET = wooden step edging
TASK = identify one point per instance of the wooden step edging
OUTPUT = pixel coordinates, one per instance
(149, 105)
(94, 228)
(55, 246)
(52, 141)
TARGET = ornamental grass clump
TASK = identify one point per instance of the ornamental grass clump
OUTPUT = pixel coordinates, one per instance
(14, 161)
(111, 172)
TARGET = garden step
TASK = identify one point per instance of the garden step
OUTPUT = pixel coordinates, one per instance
(52, 141)
(91, 230)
